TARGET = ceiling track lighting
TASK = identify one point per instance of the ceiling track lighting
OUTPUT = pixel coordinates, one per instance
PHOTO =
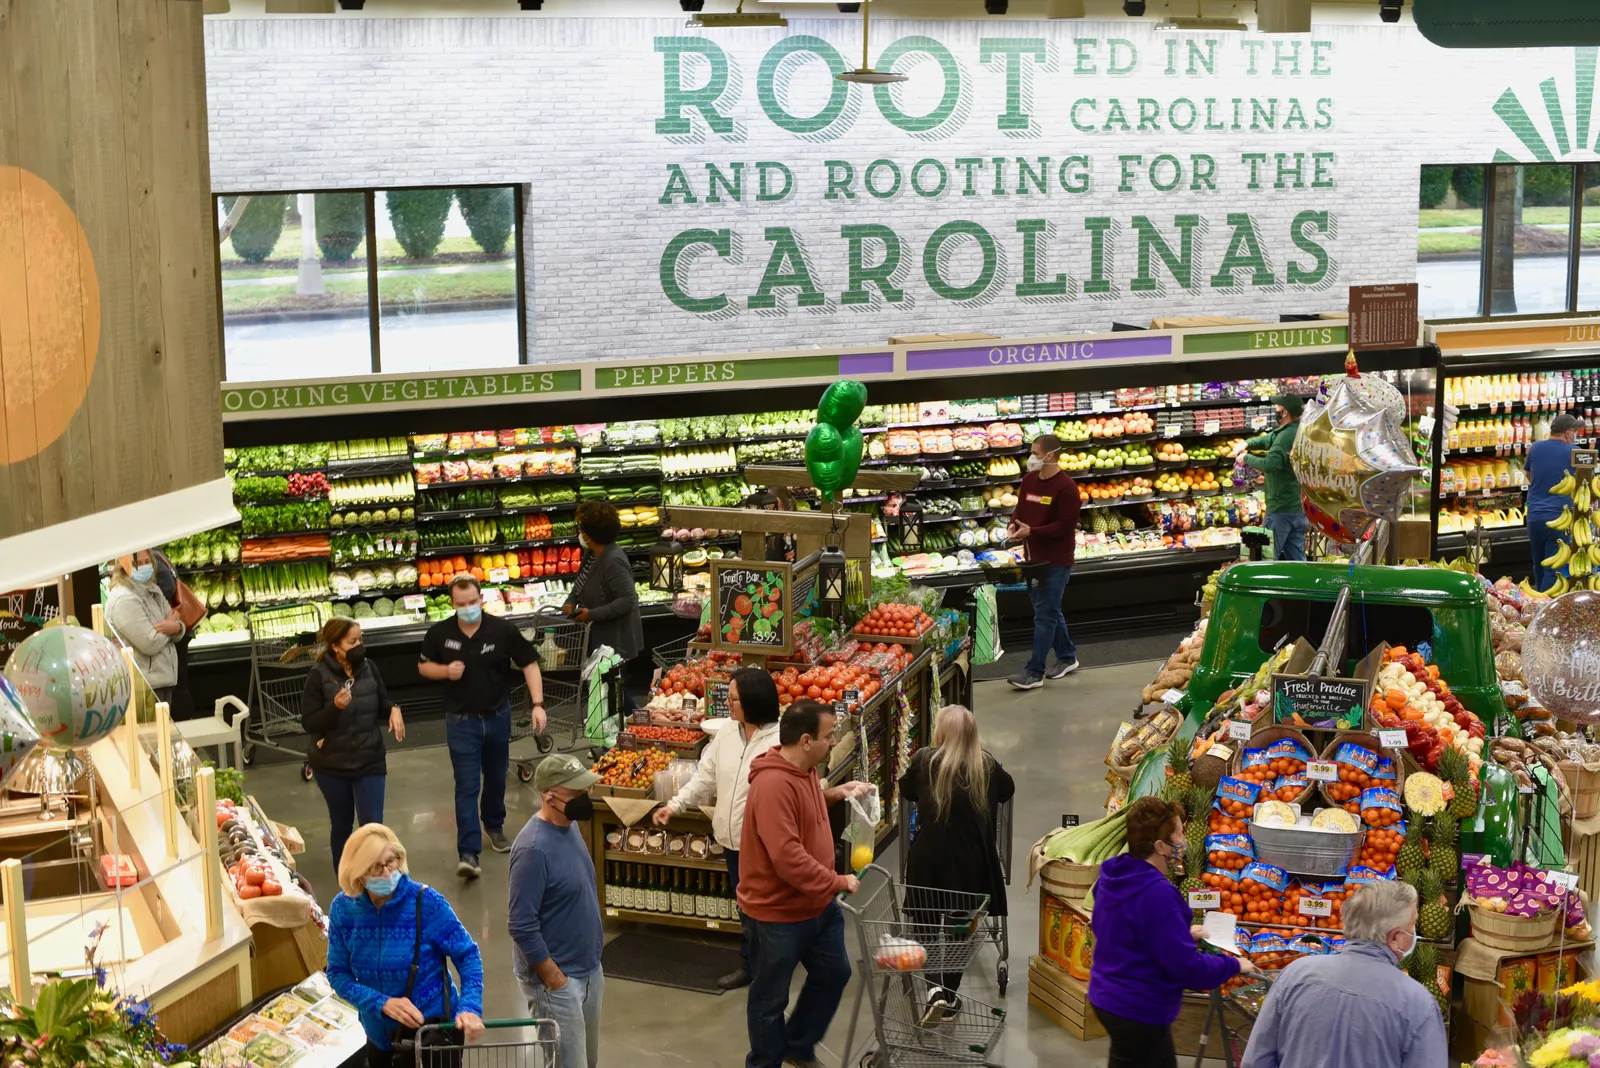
(1389, 10)
(996, 7)
(1133, 8)
(865, 75)
(531, 5)
(737, 21)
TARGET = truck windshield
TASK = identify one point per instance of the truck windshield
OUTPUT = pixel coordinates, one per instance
(1283, 619)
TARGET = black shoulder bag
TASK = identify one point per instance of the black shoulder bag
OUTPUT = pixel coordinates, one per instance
(440, 1048)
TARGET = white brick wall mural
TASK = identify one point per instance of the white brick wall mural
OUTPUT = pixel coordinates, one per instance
(712, 192)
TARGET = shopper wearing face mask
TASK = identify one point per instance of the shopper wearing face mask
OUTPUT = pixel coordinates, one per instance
(1145, 955)
(1269, 454)
(603, 593)
(1045, 523)
(344, 710)
(1355, 1006)
(473, 655)
(555, 911)
(139, 614)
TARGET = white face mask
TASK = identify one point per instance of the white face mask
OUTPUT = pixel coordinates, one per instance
(1410, 947)
(1035, 464)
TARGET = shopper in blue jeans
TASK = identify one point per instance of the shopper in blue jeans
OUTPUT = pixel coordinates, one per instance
(1288, 534)
(1045, 524)
(473, 655)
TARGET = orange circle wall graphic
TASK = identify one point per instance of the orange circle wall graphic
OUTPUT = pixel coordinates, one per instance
(49, 314)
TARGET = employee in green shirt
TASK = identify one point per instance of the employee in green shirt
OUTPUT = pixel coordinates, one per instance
(1269, 454)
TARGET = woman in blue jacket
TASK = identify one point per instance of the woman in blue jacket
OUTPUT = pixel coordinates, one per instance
(1144, 949)
(372, 941)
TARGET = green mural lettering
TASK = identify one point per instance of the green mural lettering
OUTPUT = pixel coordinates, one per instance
(1011, 52)
(880, 274)
(787, 268)
(715, 177)
(677, 186)
(1035, 233)
(679, 98)
(1151, 245)
(674, 270)
(935, 257)
(1100, 230)
(1320, 222)
(1244, 253)
(942, 112)
(769, 88)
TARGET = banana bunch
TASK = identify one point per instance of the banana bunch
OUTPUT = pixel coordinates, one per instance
(1562, 522)
(1566, 486)
(1559, 558)
(1561, 586)
(1527, 587)
(1582, 531)
(1580, 565)
(1582, 497)
(1594, 583)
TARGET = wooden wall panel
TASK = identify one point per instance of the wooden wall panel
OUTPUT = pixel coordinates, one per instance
(109, 348)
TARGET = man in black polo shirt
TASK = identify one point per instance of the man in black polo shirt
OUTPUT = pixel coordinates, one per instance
(472, 654)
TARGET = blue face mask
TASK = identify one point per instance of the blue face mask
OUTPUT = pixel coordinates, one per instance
(383, 885)
(143, 573)
(470, 613)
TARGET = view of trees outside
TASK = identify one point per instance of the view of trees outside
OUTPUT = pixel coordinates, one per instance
(1530, 235)
(296, 299)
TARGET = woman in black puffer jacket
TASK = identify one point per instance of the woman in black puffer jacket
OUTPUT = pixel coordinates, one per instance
(344, 709)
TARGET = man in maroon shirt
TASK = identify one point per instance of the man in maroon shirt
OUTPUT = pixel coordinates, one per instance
(1046, 524)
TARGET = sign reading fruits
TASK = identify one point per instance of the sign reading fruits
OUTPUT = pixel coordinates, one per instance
(751, 608)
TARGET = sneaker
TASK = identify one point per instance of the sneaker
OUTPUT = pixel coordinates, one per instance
(939, 1006)
(1061, 670)
(734, 980)
(1026, 680)
(468, 867)
(498, 841)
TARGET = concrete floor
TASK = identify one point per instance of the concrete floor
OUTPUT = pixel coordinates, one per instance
(1052, 740)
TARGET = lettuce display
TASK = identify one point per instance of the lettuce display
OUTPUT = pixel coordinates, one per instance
(372, 517)
(284, 518)
(305, 457)
(708, 493)
(218, 589)
(209, 548)
(260, 487)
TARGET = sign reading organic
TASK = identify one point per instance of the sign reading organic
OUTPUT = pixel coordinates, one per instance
(751, 610)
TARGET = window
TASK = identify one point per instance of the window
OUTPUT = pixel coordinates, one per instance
(1539, 222)
(1285, 619)
(349, 282)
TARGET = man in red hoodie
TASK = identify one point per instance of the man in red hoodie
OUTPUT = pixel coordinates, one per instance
(787, 889)
(1045, 522)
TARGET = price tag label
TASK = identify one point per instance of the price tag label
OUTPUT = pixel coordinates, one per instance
(1100, 405)
(1316, 906)
(414, 602)
(852, 696)
(1172, 696)
(1213, 426)
(1392, 739)
(714, 925)
(1239, 730)
(839, 709)
(1172, 430)
(1449, 791)
(1566, 880)
(611, 912)
(1258, 423)
(1069, 819)
(1205, 899)
(1322, 771)
(499, 574)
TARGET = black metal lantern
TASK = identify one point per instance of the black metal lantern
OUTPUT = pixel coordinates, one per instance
(666, 566)
(911, 526)
(831, 578)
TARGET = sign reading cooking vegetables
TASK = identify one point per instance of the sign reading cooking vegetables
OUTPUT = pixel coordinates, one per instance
(751, 607)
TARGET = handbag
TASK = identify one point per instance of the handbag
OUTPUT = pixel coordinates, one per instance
(191, 609)
(440, 1048)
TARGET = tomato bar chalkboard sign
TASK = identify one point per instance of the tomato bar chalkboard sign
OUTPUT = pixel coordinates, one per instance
(751, 608)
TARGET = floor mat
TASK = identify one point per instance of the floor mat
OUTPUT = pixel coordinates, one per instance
(684, 962)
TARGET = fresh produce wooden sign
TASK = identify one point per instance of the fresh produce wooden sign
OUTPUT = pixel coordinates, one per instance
(751, 607)
(1326, 703)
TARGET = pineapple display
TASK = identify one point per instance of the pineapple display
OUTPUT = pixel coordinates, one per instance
(1433, 915)
(1197, 817)
(1453, 768)
(1442, 857)
(1178, 783)
(1409, 862)
(1423, 966)
(1194, 863)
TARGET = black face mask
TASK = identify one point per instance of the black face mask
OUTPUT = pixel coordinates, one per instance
(355, 656)
(579, 808)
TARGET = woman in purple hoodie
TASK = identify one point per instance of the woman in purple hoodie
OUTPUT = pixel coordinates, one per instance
(1144, 948)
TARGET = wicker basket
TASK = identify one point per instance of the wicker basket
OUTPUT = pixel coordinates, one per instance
(1585, 790)
(1366, 740)
(1265, 736)
(1519, 934)
(1068, 881)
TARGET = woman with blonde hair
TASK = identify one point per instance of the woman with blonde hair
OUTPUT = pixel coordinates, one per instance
(958, 790)
(140, 615)
(389, 939)
(345, 708)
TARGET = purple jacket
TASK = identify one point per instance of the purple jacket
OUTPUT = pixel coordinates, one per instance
(1144, 955)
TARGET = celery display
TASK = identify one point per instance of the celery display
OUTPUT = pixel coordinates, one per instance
(276, 582)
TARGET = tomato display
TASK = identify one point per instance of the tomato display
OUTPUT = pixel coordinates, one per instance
(677, 735)
(895, 621)
(631, 767)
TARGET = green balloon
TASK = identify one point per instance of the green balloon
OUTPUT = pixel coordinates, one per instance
(824, 452)
(841, 403)
(850, 462)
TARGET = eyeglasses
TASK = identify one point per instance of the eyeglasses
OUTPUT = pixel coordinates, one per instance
(384, 867)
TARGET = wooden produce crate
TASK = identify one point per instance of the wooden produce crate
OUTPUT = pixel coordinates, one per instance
(1063, 999)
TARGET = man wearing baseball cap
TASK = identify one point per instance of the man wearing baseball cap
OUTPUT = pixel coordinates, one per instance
(1286, 517)
(1548, 463)
(555, 911)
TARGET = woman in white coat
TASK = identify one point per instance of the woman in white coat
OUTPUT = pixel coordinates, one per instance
(140, 615)
(724, 777)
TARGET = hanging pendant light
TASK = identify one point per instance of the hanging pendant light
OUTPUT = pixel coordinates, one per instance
(866, 75)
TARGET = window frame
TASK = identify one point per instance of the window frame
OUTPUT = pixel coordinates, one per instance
(374, 306)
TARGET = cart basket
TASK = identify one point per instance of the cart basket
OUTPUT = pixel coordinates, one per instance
(526, 1043)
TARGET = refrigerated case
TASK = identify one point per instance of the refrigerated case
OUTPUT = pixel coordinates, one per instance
(1508, 379)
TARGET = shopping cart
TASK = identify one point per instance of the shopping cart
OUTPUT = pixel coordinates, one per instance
(281, 647)
(504, 1044)
(913, 940)
(998, 932)
(563, 646)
